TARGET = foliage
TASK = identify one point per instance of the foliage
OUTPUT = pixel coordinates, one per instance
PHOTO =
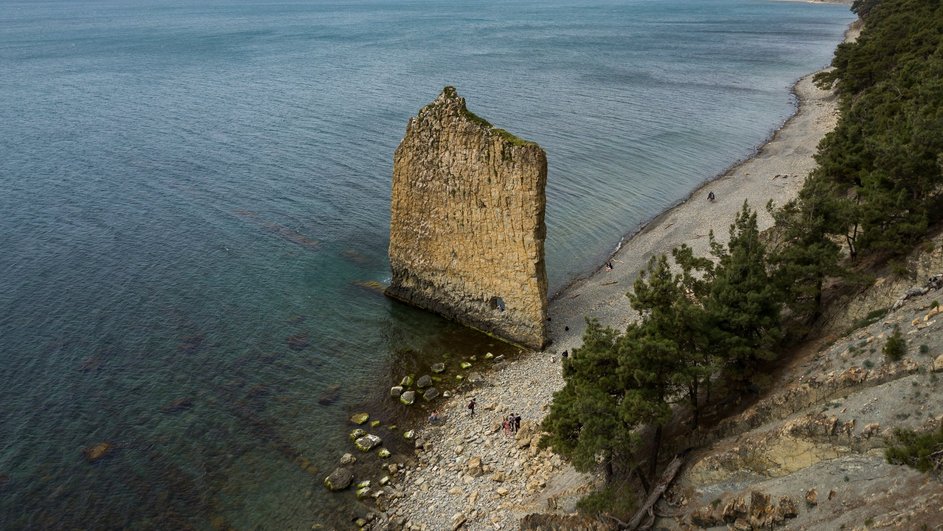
(883, 160)
(923, 451)
(612, 499)
(695, 320)
(743, 304)
(896, 346)
(586, 422)
(806, 255)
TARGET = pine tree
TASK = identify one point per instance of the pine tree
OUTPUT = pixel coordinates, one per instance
(587, 422)
(806, 255)
(743, 305)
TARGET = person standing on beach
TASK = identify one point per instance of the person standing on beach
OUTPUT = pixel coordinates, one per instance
(471, 408)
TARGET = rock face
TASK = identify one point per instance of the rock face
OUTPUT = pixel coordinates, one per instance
(467, 223)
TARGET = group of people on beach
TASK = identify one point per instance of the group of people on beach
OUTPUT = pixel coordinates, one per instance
(511, 424)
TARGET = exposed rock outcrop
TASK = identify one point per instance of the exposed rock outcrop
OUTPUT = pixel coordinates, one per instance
(467, 223)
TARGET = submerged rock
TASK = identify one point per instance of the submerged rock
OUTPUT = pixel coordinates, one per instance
(359, 418)
(438, 367)
(298, 341)
(374, 423)
(348, 459)
(177, 405)
(339, 479)
(191, 344)
(98, 451)
(357, 433)
(330, 395)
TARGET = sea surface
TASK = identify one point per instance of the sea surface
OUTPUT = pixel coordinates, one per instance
(194, 201)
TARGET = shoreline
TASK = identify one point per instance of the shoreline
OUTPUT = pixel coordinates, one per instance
(471, 474)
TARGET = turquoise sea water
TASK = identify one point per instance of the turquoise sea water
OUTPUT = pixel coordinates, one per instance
(190, 193)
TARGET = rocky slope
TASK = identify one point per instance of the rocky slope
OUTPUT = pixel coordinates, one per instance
(810, 454)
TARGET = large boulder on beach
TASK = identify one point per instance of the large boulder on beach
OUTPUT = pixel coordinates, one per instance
(339, 479)
(408, 397)
(431, 394)
(368, 442)
(467, 222)
(424, 381)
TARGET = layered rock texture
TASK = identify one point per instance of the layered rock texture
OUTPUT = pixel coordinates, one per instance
(467, 227)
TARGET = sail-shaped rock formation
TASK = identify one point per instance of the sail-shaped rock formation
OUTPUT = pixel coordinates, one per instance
(467, 228)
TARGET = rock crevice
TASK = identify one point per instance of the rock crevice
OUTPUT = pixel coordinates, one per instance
(467, 223)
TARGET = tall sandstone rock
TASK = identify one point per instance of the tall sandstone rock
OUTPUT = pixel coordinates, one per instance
(467, 229)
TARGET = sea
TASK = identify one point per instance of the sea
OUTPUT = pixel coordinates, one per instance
(194, 219)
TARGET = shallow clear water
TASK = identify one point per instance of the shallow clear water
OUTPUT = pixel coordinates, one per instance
(188, 185)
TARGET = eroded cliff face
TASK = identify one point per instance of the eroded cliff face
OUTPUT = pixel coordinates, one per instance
(467, 228)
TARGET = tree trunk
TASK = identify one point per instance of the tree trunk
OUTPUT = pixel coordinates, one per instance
(656, 445)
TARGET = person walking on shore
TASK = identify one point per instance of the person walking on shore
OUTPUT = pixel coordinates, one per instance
(471, 408)
(711, 197)
(517, 423)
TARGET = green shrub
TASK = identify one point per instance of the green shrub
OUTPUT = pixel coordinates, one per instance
(896, 346)
(923, 451)
(613, 499)
(872, 317)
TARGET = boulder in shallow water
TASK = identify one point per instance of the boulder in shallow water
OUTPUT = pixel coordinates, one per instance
(489, 356)
(298, 341)
(431, 394)
(339, 479)
(368, 442)
(383, 453)
(396, 391)
(359, 418)
(374, 423)
(464, 365)
(408, 397)
(357, 433)
(330, 395)
(178, 405)
(411, 434)
(424, 381)
(438, 367)
(97, 452)
(348, 459)
(406, 381)
(363, 492)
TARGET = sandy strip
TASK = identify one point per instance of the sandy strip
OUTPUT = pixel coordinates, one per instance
(440, 490)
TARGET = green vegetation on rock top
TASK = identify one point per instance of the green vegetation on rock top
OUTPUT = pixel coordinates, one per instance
(451, 93)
